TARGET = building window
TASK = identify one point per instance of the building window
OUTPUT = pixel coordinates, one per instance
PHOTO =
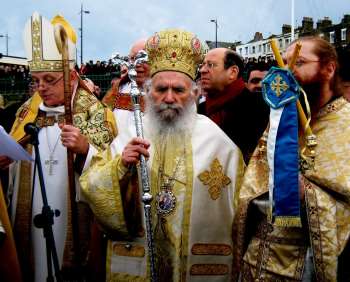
(246, 50)
(287, 41)
(240, 51)
(280, 42)
(259, 48)
(264, 48)
(253, 49)
(268, 47)
(343, 34)
(331, 37)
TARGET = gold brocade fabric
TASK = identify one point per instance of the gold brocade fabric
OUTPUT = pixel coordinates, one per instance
(38, 63)
(94, 120)
(173, 160)
(105, 193)
(21, 226)
(174, 50)
(171, 232)
(215, 179)
(278, 254)
(25, 114)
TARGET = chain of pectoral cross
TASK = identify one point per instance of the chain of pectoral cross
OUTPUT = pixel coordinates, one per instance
(166, 180)
(51, 161)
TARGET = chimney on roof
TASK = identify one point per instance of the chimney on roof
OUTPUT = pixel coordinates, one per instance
(346, 19)
(325, 22)
(258, 36)
(307, 24)
(286, 28)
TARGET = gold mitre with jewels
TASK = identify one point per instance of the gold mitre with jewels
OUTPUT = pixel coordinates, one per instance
(174, 50)
(40, 44)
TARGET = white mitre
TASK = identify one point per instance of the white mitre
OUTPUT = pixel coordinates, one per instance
(40, 44)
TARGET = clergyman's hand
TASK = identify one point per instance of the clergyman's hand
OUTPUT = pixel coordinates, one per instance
(133, 150)
(5, 162)
(72, 138)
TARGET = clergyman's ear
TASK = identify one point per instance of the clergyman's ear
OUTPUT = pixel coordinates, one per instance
(329, 70)
(234, 70)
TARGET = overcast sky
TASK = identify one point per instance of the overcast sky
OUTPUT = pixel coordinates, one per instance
(113, 25)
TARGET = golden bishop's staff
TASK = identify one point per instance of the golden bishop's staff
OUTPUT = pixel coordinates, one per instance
(61, 39)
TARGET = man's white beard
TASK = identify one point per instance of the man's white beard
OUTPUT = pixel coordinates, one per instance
(169, 123)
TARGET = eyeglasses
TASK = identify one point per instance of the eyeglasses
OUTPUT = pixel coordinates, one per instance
(46, 80)
(301, 62)
(209, 65)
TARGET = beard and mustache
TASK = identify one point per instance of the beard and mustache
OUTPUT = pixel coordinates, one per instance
(313, 87)
(312, 90)
(168, 113)
(164, 120)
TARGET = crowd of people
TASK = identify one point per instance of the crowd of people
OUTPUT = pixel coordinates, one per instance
(98, 68)
(15, 72)
(14, 79)
(244, 187)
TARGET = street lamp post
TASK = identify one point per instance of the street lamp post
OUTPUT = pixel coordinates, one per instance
(216, 32)
(7, 42)
(292, 22)
(82, 11)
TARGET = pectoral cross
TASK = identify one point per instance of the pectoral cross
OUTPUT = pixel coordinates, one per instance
(51, 162)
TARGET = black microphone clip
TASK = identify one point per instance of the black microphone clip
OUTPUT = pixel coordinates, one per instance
(31, 129)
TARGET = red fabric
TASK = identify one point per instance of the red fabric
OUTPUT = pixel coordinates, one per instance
(216, 104)
(124, 102)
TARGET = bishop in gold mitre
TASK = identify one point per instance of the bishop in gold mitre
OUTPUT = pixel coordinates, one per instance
(194, 171)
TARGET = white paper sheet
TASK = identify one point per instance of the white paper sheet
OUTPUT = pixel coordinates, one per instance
(10, 148)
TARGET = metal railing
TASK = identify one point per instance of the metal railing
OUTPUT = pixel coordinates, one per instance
(15, 90)
(102, 80)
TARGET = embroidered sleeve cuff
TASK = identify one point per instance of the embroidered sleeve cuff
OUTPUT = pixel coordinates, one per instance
(122, 169)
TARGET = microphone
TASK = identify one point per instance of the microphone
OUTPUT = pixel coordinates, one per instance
(31, 129)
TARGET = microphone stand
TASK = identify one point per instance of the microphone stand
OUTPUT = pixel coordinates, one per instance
(45, 219)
